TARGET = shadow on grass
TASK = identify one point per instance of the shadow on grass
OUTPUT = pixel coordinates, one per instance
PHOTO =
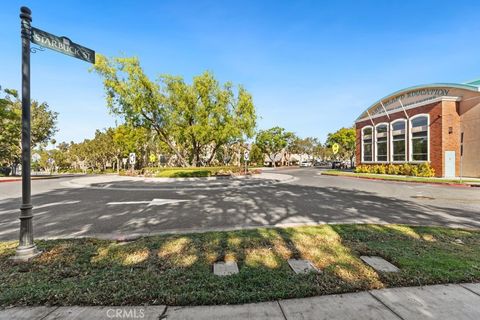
(176, 269)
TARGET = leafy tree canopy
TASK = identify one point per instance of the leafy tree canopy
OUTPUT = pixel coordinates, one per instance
(273, 141)
(43, 126)
(345, 137)
(193, 120)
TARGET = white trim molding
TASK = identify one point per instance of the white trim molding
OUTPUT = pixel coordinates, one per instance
(381, 135)
(411, 131)
(371, 139)
(412, 106)
(392, 132)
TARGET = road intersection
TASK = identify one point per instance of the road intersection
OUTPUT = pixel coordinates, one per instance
(116, 207)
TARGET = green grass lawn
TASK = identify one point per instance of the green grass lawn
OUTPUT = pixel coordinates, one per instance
(182, 173)
(177, 269)
(190, 172)
(396, 178)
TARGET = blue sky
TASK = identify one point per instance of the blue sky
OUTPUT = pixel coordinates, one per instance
(312, 66)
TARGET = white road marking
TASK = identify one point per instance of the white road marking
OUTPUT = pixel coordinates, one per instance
(46, 205)
(56, 204)
(154, 202)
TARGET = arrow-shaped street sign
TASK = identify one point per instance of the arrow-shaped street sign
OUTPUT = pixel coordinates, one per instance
(154, 202)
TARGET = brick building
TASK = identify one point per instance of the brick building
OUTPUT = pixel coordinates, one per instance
(424, 123)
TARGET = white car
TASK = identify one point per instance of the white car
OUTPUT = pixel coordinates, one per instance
(305, 164)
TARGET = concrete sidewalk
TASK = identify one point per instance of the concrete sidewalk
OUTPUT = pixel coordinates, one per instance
(429, 302)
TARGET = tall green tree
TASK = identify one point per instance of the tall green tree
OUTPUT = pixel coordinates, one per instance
(345, 137)
(43, 126)
(273, 141)
(304, 146)
(128, 139)
(193, 120)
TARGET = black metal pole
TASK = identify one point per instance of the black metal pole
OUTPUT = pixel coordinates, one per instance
(26, 248)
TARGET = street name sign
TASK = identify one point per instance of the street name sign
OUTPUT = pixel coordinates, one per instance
(62, 45)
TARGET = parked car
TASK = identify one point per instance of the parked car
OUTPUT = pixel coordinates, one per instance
(305, 164)
(339, 165)
(5, 171)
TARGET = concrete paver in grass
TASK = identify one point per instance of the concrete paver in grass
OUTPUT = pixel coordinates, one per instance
(26, 313)
(107, 313)
(302, 266)
(439, 302)
(225, 268)
(358, 306)
(260, 311)
(379, 264)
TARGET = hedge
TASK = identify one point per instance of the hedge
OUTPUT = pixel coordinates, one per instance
(407, 169)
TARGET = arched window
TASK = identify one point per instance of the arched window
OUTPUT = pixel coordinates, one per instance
(381, 136)
(367, 136)
(419, 136)
(398, 138)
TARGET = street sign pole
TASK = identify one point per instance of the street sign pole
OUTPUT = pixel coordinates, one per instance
(246, 157)
(26, 248)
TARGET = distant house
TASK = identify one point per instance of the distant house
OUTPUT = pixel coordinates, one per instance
(285, 158)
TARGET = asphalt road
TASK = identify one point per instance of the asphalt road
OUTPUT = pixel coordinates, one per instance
(113, 207)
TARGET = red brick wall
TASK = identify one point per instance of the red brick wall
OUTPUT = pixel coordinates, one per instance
(436, 133)
(451, 140)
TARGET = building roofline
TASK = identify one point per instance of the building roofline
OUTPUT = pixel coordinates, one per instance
(471, 86)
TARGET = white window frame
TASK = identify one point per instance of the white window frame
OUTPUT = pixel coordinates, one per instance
(372, 139)
(410, 136)
(376, 142)
(405, 141)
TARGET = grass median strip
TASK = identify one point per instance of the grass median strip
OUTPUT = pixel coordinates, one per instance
(177, 269)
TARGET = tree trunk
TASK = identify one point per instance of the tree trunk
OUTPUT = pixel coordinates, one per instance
(273, 160)
(214, 151)
(170, 145)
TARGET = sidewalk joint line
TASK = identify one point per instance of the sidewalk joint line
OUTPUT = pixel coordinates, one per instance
(376, 298)
(281, 309)
(45, 316)
(462, 285)
(163, 315)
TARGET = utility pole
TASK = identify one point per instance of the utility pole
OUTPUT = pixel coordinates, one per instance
(26, 248)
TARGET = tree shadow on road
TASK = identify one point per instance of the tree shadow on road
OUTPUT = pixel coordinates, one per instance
(84, 212)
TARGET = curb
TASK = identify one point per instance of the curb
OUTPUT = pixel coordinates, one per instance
(43, 177)
(449, 184)
(130, 237)
(266, 179)
(386, 303)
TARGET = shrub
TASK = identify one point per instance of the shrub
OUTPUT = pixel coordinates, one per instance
(362, 169)
(393, 169)
(407, 169)
(381, 169)
(414, 171)
(425, 170)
